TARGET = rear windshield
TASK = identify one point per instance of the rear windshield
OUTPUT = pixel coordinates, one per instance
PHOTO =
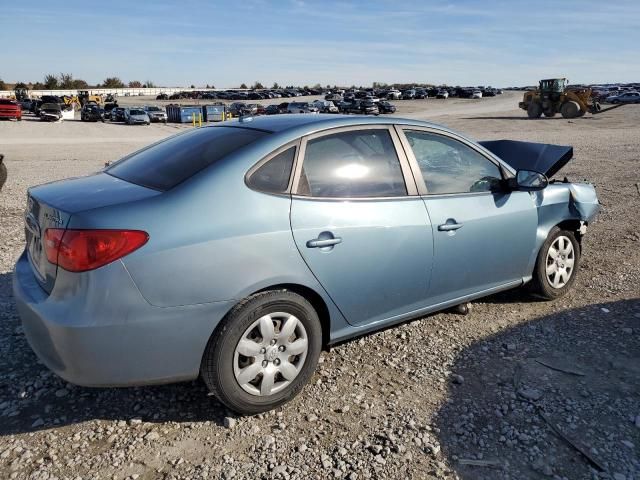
(164, 165)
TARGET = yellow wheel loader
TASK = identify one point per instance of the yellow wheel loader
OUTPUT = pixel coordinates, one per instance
(553, 96)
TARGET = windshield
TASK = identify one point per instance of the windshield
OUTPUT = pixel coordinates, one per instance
(136, 112)
(164, 165)
(154, 109)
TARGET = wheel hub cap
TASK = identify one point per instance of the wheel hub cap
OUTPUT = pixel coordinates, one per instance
(270, 354)
(560, 261)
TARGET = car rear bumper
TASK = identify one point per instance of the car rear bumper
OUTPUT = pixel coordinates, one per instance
(99, 331)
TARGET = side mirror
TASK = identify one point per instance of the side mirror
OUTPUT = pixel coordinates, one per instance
(529, 181)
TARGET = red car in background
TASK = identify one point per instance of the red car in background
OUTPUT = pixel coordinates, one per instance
(10, 109)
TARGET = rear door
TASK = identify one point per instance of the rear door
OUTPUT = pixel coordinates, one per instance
(483, 235)
(362, 230)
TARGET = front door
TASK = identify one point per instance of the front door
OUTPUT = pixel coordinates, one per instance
(365, 238)
(483, 235)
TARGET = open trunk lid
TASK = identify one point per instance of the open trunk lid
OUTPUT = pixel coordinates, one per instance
(52, 205)
(541, 157)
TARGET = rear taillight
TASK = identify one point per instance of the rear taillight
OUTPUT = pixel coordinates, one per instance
(82, 250)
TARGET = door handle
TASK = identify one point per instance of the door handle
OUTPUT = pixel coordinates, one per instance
(450, 226)
(323, 241)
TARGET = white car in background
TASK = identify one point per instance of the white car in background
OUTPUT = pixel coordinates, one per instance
(325, 106)
(394, 94)
(476, 94)
(442, 93)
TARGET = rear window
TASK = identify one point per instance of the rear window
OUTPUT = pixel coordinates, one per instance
(164, 165)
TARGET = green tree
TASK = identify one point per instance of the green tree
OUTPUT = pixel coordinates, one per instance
(257, 86)
(20, 85)
(79, 84)
(66, 80)
(275, 85)
(149, 84)
(113, 82)
(3, 86)
(38, 86)
(51, 82)
(243, 85)
(135, 84)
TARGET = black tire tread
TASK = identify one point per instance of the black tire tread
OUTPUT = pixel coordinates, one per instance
(539, 285)
(211, 365)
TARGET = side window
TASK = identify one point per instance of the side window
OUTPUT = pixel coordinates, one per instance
(273, 176)
(353, 164)
(449, 166)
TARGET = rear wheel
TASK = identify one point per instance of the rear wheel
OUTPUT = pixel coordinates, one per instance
(570, 109)
(549, 113)
(534, 110)
(557, 264)
(263, 352)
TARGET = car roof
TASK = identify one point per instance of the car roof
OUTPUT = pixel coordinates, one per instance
(314, 122)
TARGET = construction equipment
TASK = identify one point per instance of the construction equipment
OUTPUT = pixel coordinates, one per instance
(84, 96)
(555, 96)
(72, 101)
(20, 93)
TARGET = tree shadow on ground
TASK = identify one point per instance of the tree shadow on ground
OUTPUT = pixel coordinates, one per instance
(32, 398)
(573, 374)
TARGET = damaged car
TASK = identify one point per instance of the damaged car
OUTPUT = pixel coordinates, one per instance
(318, 229)
(50, 112)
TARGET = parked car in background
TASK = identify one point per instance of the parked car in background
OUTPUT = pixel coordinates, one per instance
(136, 116)
(360, 223)
(325, 106)
(118, 114)
(476, 94)
(10, 109)
(301, 107)
(272, 110)
(155, 113)
(408, 94)
(50, 112)
(420, 94)
(386, 107)
(394, 94)
(92, 113)
(442, 93)
(25, 104)
(238, 109)
(626, 97)
(333, 97)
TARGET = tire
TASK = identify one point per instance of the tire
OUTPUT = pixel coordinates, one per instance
(549, 113)
(534, 110)
(547, 284)
(570, 109)
(222, 363)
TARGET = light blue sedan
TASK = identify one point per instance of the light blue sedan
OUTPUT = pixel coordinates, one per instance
(237, 252)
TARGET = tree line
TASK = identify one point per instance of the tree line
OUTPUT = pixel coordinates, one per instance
(65, 81)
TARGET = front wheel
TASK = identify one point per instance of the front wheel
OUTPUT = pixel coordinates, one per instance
(263, 352)
(557, 265)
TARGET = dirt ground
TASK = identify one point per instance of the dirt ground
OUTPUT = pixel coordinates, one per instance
(518, 389)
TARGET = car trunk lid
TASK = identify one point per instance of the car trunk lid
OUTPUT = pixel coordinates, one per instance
(52, 205)
(541, 157)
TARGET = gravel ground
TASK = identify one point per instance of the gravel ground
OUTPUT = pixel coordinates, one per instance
(518, 389)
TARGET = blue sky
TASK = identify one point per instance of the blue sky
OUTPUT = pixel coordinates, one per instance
(491, 42)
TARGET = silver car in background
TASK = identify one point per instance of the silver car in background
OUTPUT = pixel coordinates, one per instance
(155, 114)
(136, 116)
(301, 107)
